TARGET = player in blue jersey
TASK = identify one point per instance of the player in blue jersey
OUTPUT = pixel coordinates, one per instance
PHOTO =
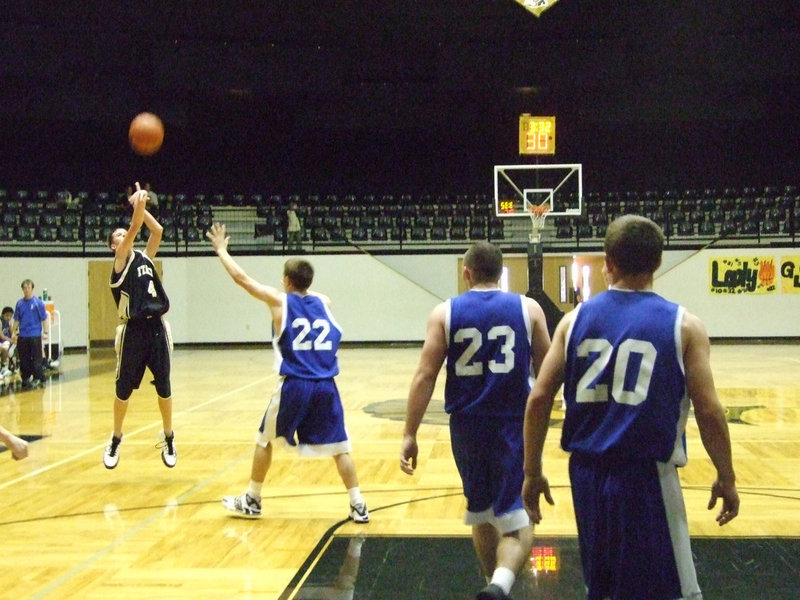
(305, 409)
(631, 363)
(490, 339)
(143, 338)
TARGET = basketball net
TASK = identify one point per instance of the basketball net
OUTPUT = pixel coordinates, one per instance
(538, 214)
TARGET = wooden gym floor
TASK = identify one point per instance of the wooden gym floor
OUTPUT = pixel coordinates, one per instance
(72, 529)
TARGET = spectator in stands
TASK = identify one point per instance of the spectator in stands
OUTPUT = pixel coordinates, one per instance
(28, 325)
(7, 342)
(294, 231)
(152, 197)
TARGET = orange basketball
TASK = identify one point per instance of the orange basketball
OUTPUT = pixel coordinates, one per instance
(146, 134)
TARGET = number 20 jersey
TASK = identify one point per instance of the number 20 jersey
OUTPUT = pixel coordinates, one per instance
(309, 338)
(624, 385)
(488, 354)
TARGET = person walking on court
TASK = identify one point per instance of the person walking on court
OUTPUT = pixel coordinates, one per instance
(143, 338)
(630, 363)
(305, 408)
(492, 340)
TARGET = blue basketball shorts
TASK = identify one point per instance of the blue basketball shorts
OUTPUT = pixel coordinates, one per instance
(308, 415)
(632, 530)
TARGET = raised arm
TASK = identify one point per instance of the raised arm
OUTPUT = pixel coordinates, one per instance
(219, 241)
(139, 202)
(156, 233)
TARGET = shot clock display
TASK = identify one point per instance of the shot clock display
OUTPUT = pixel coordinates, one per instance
(509, 206)
(537, 135)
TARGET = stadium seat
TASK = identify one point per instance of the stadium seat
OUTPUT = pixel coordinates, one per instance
(563, 230)
(360, 234)
(458, 232)
(438, 233)
(477, 232)
(706, 228)
(419, 233)
(770, 226)
(496, 231)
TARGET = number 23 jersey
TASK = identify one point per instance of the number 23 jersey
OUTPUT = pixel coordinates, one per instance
(488, 354)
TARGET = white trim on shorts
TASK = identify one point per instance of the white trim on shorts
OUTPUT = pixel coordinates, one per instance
(678, 530)
(511, 521)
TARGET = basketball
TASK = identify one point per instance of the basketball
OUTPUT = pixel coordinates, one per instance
(146, 134)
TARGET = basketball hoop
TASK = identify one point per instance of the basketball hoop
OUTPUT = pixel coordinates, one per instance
(538, 214)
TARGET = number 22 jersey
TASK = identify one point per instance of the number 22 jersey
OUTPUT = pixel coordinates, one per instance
(308, 340)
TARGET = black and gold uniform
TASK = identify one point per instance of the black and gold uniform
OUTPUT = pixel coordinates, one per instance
(143, 337)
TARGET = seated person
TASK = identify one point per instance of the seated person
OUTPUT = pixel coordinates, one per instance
(7, 343)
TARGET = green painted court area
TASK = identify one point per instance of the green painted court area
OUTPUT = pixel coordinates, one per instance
(445, 568)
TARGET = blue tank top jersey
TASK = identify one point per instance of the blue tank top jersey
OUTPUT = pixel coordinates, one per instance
(624, 385)
(488, 354)
(308, 340)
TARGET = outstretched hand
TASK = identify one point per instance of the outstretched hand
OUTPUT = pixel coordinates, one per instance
(216, 235)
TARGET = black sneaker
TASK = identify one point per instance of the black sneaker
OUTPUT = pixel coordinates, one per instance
(111, 454)
(492, 592)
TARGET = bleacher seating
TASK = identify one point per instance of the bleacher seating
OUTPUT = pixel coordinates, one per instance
(396, 220)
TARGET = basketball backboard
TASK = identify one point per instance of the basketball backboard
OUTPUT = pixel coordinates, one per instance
(518, 187)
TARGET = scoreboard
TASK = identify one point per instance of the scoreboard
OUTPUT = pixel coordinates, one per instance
(537, 135)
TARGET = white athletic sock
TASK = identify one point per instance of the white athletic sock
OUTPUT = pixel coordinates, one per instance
(254, 490)
(504, 578)
(355, 495)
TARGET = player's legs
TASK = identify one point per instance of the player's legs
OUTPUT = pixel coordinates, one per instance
(347, 471)
(159, 361)
(248, 504)
(262, 460)
(488, 454)
(25, 352)
(165, 408)
(514, 549)
(120, 410)
(485, 539)
(346, 467)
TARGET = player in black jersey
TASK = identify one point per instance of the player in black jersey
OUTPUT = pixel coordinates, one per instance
(143, 337)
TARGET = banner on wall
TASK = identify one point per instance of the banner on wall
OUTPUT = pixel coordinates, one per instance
(743, 275)
(790, 274)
